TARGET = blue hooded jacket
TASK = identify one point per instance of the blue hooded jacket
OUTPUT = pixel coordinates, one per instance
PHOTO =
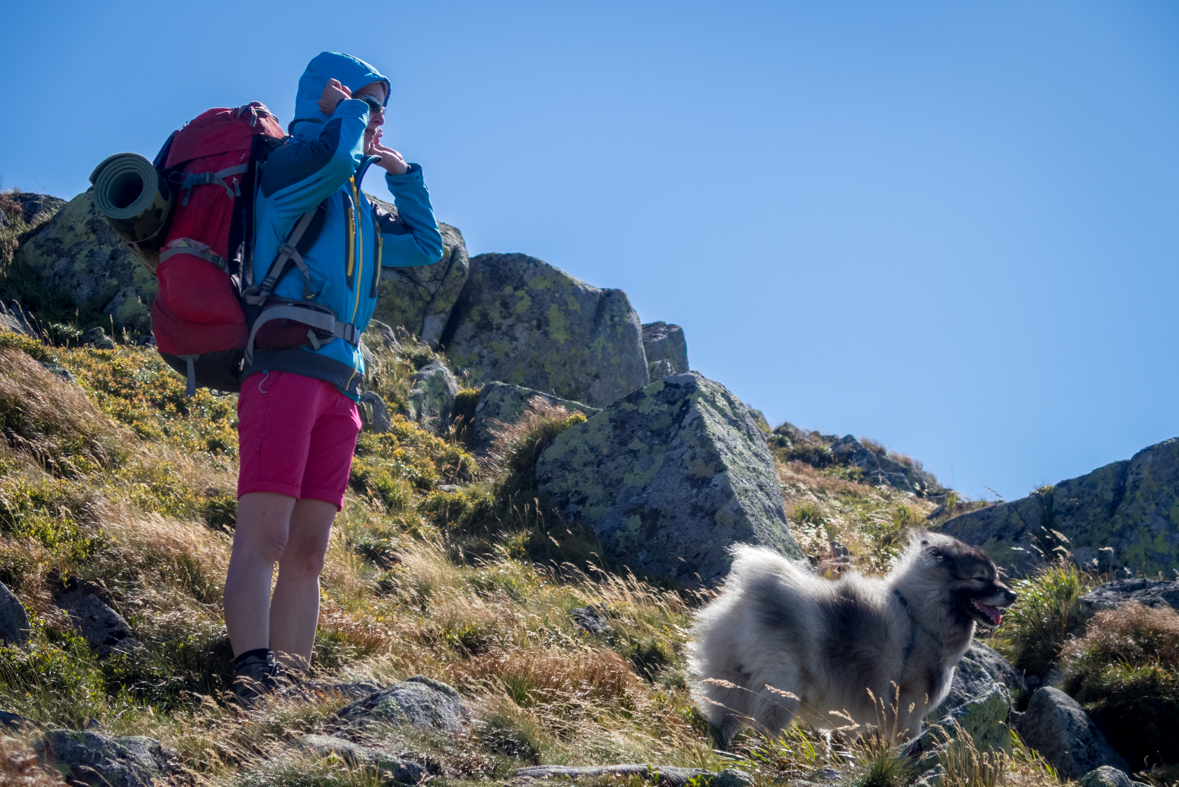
(324, 160)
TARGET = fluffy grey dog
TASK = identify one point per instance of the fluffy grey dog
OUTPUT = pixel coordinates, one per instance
(779, 642)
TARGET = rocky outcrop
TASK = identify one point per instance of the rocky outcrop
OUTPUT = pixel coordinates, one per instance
(431, 397)
(78, 253)
(1105, 776)
(104, 630)
(1147, 592)
(669, 477)
(14, 621)
(882, 470)
(418, 702)
(1129, 508)
(666, 349)
(420, 299)
(1056, 726)
(520, 320)
(90, 758)
(30, 207)
(503, 404)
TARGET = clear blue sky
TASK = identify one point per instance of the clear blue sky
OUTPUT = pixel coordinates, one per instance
(948, 226)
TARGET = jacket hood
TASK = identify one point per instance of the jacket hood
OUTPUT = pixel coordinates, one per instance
(352, 72)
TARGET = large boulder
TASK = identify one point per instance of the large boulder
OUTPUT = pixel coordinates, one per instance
(419, 299)
(1129, 507)
(1056, 726)
(503, 404)
(520, 320)
(882, 470)
(78, 253)
(669, 477)
(666, 348)
(93, 759)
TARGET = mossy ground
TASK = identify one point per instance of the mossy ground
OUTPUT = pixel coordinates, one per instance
(438, 566)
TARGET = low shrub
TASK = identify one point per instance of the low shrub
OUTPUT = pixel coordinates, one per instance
(1047, 612)
(1125, 670)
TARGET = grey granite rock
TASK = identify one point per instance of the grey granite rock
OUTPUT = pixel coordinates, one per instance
(419, 299)
(980, 668)
(374, 413)
(669, 477)
(77, 253)
(93, 759)
(400, 771)
(1147, 592)
(14, 621)
(663, 775)
(104, 630)
(1056, 726)
(1106, 776)
(1129, 507)
(503, 404)
(666, 349)
(13, 318)
(432, 396)
(522, 321)
(418, 701)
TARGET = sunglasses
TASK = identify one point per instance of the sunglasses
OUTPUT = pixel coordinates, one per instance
(374, 104)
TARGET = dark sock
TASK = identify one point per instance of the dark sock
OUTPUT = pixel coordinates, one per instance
(263, 653)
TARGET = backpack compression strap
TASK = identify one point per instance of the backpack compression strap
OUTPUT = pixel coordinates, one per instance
(194, 179)
(315, 320)
(196, 249)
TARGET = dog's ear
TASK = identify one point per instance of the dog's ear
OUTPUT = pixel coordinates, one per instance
(935, 552)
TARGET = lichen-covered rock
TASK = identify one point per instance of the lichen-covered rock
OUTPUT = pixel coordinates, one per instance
(104, 630)
(1056, 726)
(520, 320)
(669, 477)
(419, 701)
(978, 671)
(1131, 507)
(419, 299)
(1147, 592)
(502, 404)
(984, 719)
(1105, 776)
(374, 413)
(431, 397)
(666, 349)
(33, 207)
(78, 253)
(323, 746)
(89, 758)
(14, 621)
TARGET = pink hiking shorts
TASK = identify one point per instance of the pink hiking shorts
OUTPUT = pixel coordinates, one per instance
(296, 436)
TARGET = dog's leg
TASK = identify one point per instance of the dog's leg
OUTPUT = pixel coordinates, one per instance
(775, 705)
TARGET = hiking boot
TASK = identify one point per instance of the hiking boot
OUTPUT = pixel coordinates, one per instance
(255, 674)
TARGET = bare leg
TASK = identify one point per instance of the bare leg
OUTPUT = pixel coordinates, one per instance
(294, 609)
(263, 523)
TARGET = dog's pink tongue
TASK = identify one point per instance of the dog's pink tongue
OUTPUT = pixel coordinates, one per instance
(993, 613)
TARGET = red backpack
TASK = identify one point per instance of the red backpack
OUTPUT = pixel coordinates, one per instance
(199, 318)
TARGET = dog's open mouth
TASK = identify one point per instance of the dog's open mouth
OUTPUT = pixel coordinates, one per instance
(992, 614)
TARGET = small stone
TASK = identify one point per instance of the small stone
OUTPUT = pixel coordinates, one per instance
(93, 759)
(1107, 776)
(97, 338)
(432, 397)
(402, 771)
(374, 413)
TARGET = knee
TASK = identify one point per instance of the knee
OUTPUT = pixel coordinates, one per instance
(270, 550)
(303, 559)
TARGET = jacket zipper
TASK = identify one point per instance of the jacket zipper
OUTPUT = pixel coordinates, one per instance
(359, 274)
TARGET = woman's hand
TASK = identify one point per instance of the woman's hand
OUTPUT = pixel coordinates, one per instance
(333, 93)
(391, 161)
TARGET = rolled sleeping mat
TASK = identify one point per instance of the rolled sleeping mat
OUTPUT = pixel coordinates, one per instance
(136, 201)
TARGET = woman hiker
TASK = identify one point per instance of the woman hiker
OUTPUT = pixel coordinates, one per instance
(297, 417)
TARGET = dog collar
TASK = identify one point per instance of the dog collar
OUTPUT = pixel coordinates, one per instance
(916, 625)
